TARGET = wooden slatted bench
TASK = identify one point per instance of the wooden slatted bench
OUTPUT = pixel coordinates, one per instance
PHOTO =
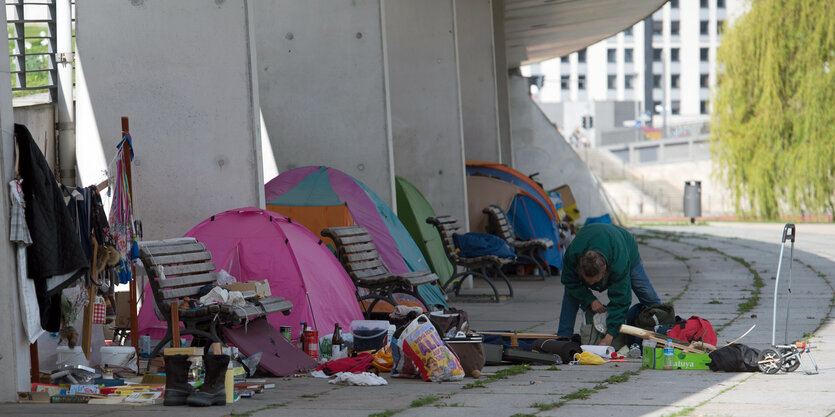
(356, 251)
(486, 267)
(526, 249)
(179, 268)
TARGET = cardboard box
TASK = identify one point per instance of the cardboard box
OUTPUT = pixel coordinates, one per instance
(190, 351)
(569, 205)
(122, 310)
(260, 288)
(654, 358)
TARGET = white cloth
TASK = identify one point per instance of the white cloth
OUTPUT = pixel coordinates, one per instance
(363, 379)
(217, 295)
(319, 374)
(29, 310)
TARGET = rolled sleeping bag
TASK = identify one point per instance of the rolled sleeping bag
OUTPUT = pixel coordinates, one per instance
(564, 348)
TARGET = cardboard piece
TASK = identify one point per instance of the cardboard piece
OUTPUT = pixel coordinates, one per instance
(280, 357)
(190, 351)
(41, 397)
(569, 204)
(260, 288)
(654, 359)
(122, 310)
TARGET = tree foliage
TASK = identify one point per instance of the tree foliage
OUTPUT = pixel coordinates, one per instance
(773, 121)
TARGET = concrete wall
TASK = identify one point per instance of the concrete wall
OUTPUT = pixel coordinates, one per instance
(182, 72)
(40, 120)
(502, 83)
(538, 147)
(425, 101)
(322, 84)
(477, 72)
(14, 366)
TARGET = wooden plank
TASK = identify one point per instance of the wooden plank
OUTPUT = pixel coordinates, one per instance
(166, 242)
(179, 258)
(359, 247)
(370, 264)
(189, 268)
(369, 273)
(350, 240)
(200, 279)
(170, 293)
(361, 256)
(344, 231)
(173, 249)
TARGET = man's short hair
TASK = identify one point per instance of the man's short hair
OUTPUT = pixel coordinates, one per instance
(592, 265)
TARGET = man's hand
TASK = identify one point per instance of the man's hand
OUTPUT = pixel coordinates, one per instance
(606, 341)
(597, 307)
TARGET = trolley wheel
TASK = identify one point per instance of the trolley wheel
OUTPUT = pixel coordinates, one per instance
(791, 363)
(769, 361)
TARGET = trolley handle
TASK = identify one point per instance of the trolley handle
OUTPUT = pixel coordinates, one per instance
(787, 234)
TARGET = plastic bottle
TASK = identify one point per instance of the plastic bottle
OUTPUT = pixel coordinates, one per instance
(668, 354)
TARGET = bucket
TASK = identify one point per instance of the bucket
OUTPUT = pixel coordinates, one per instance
(119, 356)
(67, 356)
(369, 334)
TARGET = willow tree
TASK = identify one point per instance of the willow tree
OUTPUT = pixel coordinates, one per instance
(773, 121)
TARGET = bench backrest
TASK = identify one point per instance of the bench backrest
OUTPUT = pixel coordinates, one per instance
(498, 224)
(447, 226)
(356, 251)
(186, 264)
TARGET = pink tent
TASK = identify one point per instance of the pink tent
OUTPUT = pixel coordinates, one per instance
(252, 245)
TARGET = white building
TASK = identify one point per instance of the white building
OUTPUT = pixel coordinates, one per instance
(685, 35)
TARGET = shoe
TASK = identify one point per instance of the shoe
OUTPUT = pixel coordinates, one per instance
(213, 390)
(177, 388)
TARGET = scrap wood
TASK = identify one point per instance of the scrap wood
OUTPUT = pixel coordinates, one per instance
(695, 347)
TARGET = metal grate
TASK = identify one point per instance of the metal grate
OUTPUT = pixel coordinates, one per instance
(32, 46)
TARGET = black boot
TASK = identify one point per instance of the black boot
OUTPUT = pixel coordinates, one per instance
(213, 390)
(177, 388)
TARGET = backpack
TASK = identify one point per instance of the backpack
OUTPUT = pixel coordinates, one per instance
(359, 364)
(693, 329)
(650, 317)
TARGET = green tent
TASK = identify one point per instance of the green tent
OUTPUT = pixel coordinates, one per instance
(413, 209)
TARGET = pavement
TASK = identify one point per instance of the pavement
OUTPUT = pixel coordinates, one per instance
(707, 270)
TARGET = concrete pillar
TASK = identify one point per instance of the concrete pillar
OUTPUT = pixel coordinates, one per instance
(425, 101)
(183, 73)
(477, 72)
(322, 82)
(14, 365)
(506, 155)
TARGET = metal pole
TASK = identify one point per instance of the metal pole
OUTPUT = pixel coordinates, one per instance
(64, 58)
(789, 301)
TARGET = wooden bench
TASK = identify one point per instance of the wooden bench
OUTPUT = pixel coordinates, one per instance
(526, 249)
(356, 251)
(179, 268)
(487, 267)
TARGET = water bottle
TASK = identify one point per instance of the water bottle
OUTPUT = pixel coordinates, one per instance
(668, 354)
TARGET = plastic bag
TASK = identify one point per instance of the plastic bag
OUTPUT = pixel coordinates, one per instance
(433, 359)
(252, 362)
(588, 358)
(222, 277)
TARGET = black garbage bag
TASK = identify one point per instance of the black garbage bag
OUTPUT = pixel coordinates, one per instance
(734, 358)
(564, 348)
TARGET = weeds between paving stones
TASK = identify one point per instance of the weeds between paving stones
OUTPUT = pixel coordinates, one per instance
(387, 413)
(420, 402)
(264, 408)
(500, 374)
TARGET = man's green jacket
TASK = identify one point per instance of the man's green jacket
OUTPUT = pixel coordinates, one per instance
(620, 250)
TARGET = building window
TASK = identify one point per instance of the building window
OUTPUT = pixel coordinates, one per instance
(657, 27)
(656, 81)
(628, 31)
(674, 4)
(704, 54)
(32, 42)
(704, 80)
(675, 81)
(612, 82)
(611, 55)
(674, 25)
(565, 82)
(675, 107)
(581, 82)
(704, 4)
(720, 4)
(581, 56)
(656, 54)
(703, 107)
(673, 54)
(627, 55)
(629, 81)
(703, 27)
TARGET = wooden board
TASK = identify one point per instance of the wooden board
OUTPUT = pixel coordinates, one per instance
(696, 347)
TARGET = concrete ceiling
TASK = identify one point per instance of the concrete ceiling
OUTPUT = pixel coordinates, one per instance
(536, 30)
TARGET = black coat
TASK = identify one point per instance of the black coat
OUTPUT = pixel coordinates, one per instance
(55, 248)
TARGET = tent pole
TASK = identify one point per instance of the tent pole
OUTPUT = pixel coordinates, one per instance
(134, 325)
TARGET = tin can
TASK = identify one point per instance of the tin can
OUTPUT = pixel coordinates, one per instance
(286, 332)
(311, 343)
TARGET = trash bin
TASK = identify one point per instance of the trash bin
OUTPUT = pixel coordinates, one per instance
(692, 200)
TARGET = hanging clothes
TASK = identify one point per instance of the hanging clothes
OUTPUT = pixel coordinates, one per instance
(20, 237)
(121, 214)
(55, 258)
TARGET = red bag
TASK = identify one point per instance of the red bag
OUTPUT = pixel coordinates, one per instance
(693, 329)
(359, 364)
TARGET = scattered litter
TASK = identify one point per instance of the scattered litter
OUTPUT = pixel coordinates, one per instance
(364, 379)
(319, 374)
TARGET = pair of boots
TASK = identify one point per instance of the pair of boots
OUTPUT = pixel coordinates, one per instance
(179, 392)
